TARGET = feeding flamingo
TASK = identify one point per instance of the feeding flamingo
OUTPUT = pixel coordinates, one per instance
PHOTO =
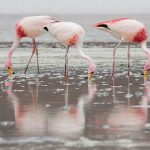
(128, 30)
(69, 34)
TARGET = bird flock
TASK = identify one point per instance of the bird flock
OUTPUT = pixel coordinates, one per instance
(72, 34)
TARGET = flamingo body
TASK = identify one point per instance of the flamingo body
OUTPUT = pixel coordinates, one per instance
(67, 33)
(128, 30)
(32, 26)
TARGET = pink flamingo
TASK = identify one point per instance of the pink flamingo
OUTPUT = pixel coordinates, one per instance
(128, 30)
(69, 34)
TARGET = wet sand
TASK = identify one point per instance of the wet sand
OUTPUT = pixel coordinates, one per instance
(42, 111)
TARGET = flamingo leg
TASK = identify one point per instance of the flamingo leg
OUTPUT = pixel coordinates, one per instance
(114, 52)
(34, 95)
(33, 51)
(37, 55)
(66, 62)
(129, 60)
(66, 97)
(114, 91)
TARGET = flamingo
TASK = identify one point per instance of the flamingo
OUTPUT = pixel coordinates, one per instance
(69, 34)
(128, 30)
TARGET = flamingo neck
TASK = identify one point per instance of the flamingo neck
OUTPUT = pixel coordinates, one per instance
(13, 48)
(145, 49)
(89, 60)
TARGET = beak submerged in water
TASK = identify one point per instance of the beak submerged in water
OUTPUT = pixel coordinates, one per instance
(90, 75)
(10, 71)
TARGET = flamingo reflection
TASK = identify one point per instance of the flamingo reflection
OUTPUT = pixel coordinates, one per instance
(30, 120)
(71, 121)
(68, 121)
(128, 118)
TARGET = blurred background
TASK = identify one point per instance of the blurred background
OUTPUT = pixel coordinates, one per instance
(74, 7)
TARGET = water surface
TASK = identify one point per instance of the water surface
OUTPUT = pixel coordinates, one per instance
(43, 111)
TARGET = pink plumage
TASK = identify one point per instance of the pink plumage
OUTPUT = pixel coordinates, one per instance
(128, 30)
(20, 31)
(74, 39)
(112, 21)
(140, 36)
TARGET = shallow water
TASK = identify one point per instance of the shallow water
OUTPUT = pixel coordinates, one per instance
(43, 111)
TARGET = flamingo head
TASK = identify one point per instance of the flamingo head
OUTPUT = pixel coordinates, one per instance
(146, 68)
(8, 66)
(91, 70)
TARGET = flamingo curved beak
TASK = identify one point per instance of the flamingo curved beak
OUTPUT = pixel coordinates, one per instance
(10, 71)
(90, 75)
